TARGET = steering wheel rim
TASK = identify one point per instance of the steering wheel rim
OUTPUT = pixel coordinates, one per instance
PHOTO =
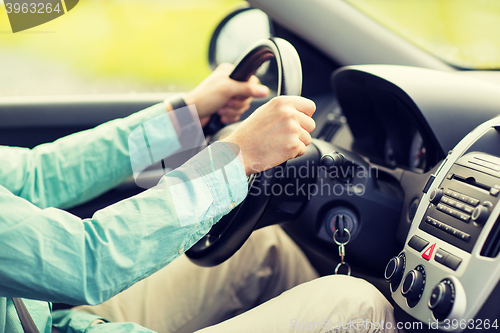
(230, 233)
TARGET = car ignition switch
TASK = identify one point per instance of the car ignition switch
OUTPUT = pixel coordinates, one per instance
(339, 219)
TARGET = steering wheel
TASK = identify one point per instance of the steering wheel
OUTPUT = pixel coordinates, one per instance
(230, 233)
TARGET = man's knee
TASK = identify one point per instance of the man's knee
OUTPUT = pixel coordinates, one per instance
(345, 297)
(344, 286)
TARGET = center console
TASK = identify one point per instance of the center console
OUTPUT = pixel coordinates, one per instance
(447, 276)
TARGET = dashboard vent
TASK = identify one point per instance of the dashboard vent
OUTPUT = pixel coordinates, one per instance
(491, 247)
(332, 126)
(328, 131)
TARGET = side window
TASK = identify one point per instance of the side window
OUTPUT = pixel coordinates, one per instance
(112, 46)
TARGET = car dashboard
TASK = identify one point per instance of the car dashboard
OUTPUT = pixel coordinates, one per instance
(447, 274)
(443, 163)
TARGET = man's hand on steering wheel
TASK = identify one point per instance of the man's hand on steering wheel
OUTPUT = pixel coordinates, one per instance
(229, 98)
(274, 133)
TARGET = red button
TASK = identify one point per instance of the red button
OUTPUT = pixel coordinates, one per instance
(428, 253)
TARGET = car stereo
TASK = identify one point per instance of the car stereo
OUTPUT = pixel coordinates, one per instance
(447, 276)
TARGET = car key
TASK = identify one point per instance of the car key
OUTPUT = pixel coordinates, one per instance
(342, 252)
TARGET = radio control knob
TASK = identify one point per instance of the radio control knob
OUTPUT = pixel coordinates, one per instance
(435, 196)
(441, 300)
(481, 213)
(412, 285)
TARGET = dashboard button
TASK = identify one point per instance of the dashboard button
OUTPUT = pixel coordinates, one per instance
(464, 217)
(452, 231)
(473, 202)
(417, 243)
(495, 190)
(443, 227)
(441, 256)
(452, 262)
(427, 255)
(447, 259)
(431, 221)
(463, 236)
(468, 209)
(456, 214)
(435, 223)
(441, 207)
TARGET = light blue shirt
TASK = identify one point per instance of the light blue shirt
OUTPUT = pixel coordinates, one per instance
(49, 255)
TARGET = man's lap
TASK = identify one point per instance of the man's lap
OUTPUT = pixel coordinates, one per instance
(184, 297)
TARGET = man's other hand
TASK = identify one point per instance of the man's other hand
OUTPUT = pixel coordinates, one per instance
(229, 98)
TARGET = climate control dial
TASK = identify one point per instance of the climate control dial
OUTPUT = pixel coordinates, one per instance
(413, 286)
(394, 271)
(442, 299)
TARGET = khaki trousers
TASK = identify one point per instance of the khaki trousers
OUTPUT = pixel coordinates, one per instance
(248, 293)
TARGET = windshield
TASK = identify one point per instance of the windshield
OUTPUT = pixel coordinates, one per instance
(464, 33)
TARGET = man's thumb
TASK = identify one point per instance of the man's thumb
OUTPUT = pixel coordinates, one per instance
(247, 89)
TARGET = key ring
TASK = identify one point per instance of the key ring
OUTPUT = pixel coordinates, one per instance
(342, 252)
(340, 264)
(339, 243)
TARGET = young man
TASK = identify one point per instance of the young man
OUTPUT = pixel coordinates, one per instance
(49, 255)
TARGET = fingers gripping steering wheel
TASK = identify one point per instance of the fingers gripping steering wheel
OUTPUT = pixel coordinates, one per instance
(230, 233)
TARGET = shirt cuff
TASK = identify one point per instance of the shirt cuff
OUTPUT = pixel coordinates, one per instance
(224, 176)
(74, 321)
